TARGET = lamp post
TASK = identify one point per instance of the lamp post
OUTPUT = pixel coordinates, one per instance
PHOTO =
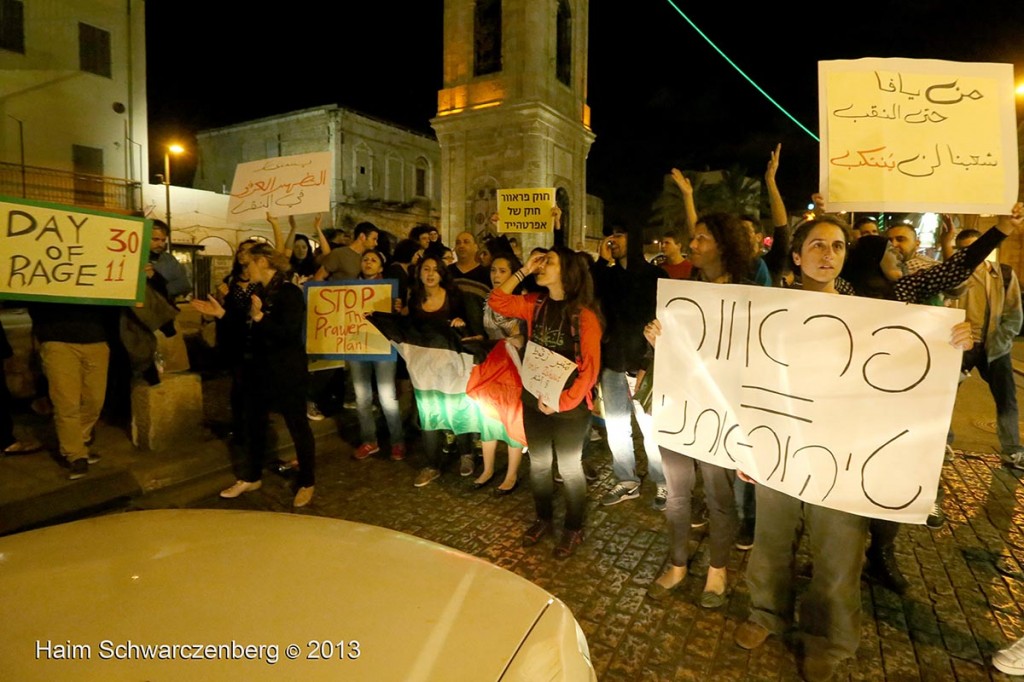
(171, 149)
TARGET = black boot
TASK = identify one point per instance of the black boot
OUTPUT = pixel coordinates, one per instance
(883, 569)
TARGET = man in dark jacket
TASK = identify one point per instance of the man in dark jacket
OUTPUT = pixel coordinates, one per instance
(627, 287)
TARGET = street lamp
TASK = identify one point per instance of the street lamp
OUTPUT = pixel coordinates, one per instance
(171, 149)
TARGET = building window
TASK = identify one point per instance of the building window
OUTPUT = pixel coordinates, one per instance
(12, 25)
(563, 47)
(94, 50)
(420, 178)
(487, 37)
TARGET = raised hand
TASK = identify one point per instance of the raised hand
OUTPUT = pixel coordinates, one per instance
(682, 182)
(773, 164)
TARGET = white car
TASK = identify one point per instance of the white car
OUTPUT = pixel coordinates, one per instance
(237, 595)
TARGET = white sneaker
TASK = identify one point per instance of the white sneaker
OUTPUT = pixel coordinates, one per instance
(240, 487)
(1011, 659)
(313, 412)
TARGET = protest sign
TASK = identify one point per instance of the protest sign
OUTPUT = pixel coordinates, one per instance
(917, 136)
(525, 210)
(839, 401)
(544, 373)
(67, 254)
(336, 324)
(287, 185)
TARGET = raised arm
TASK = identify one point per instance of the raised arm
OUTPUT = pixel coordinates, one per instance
(276, 227)
(687, 191)
(325, 246)
(778, 208)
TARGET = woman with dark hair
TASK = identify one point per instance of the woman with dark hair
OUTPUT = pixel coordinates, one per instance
(829, 621)
(363, 373)
(434, 299)
(721, 252)
(563, 319)
(303, 261)
(274, 369)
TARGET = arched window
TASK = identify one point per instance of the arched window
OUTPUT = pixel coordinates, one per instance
(421, 178)
(563, 45)
(487, 37)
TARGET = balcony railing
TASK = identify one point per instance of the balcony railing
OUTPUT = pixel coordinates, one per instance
(65, 187)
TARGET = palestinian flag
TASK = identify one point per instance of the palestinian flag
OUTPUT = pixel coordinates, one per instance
(440, 366)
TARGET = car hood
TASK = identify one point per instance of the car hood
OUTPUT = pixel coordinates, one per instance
(235, 579)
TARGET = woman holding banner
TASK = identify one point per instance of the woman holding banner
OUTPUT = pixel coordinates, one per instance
(274, 369)
(721, 253)
(829, 620)
(563, 320)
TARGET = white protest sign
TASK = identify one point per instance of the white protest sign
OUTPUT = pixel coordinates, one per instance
(840, 401)
(287, 185)
(525, 210)
(917, 135)
(544, 373)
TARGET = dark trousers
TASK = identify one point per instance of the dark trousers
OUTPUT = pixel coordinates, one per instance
(6, 410)
(561, 434)
(718, 494)
(292, 406)
(998, 373)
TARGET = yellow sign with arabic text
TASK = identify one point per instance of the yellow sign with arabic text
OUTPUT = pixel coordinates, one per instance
(287, 185)
(917, 135)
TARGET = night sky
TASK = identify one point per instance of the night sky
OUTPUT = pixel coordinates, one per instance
(660, 96)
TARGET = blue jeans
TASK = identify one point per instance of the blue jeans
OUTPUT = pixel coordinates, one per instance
(362, 373)
(616, 393)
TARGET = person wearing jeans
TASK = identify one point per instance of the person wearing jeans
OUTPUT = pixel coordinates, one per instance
(362, 375)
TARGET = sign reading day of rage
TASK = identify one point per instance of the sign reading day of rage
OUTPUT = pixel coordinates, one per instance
(839, 401)
(336, 324)
(63, 254)
(525, 210)
(287, 185)
(917, 136)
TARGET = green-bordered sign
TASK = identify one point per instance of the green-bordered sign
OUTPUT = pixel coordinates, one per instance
(50, 252)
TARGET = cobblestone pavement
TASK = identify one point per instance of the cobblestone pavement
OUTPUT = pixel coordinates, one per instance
(964, 603)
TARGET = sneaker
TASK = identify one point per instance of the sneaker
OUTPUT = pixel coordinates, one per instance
(948, 457)
(883, 569)
(93, 458)
(240, 487)
(571, 539)
(750, 635)
(466, 465)
(589, 471)
(937, 518)
(303, 497)
(1011, 659)
(699, 518)
(313, 412)
(595, 435)
(558, 477)
(660, 498)
(79, 468)
(745, 535)
(819, 667)
(620, 493)
(350, 405)
(1014, 459)
(425, 476)
(398, 452)
(365, 450)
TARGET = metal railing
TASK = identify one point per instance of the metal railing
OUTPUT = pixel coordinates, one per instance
(66, 187)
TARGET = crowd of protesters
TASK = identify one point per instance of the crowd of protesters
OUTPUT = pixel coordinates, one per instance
(491, 308)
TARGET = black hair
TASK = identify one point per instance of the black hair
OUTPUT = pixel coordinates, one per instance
(366, 228)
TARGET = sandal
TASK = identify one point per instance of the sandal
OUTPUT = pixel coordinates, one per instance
(20, 447)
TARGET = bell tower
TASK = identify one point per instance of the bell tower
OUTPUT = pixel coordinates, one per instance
(513, 111)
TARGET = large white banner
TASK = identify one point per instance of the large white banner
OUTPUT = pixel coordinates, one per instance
(917, 135)
(840, 401)
(287, 185)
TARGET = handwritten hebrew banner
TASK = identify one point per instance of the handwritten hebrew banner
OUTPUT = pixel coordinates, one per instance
(840, 401)
(917, 135)
(65, 254)
(545, 372)
(287, 185)
(336, 324)
(525, 210)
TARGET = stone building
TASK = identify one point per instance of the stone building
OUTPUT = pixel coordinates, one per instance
(382, 172)
(512, 111)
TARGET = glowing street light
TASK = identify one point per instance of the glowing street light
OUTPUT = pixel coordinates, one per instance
(175, 149)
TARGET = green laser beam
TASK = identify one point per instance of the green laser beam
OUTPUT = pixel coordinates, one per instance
(740, 71)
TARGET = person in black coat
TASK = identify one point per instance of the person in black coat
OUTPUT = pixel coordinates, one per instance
(275, 369)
